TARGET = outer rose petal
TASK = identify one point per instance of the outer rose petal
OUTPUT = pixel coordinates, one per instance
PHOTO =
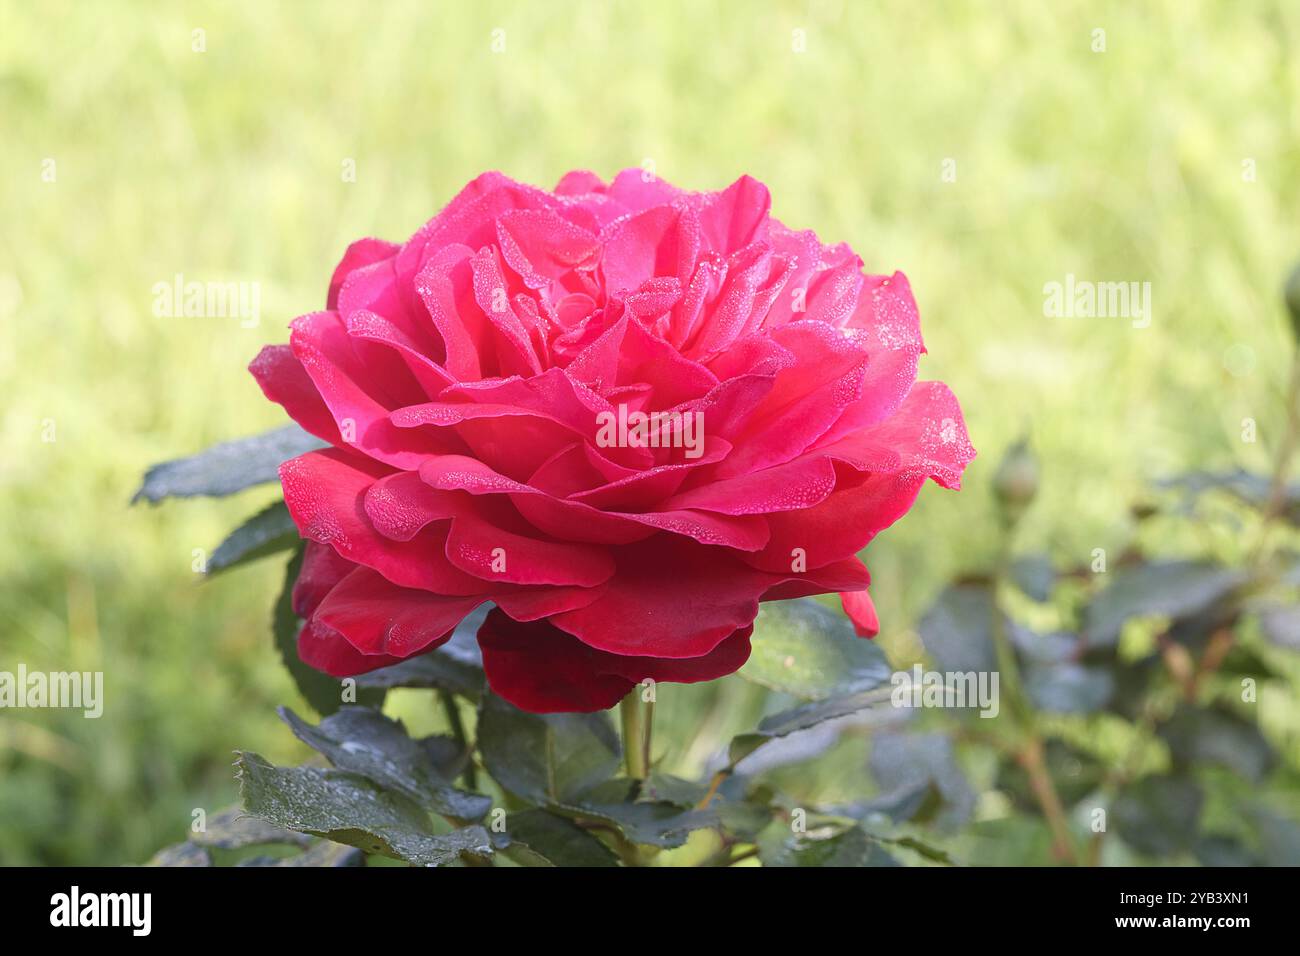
(285, 382)
(322, 568)
(861, 611)
(674, 599)
(325, 492)
(361, 253)
(379, 618)
(327, 650)
(541, 669)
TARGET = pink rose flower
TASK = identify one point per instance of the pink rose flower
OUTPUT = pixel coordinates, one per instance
(624, 414)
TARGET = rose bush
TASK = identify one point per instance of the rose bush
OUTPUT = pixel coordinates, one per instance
(464, 380)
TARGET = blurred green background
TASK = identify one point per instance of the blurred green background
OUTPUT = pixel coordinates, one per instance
(1170, 157)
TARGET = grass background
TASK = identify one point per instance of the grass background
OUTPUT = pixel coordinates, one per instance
(1124, 165)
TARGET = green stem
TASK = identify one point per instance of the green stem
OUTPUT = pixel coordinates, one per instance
(1030, 749)
(636, 721)
(458, 731)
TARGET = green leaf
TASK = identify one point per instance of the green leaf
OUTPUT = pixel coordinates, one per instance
(541, 838)
(233, 829)
(265, 533)
(455, 666)
(851, 847)
(1213, 735)
(651, 822)
(565, 762)
(1279, 837)
(546, 758)
(1074, 772)
(666, 788)
(805, 649)
(1158, 815)
(448, 754)
(1251, 489)
(1223, 850)
(364, 741)
(803, 717)
(321, 691)
(1173, 589)
(1068, 688)
(1033, 574)
(1280, 625)
(321, 853)
(919, 780)
(743, 819)
(349, 808)
(958, 629)
(920, 848)
(182, 854)
(228, 467)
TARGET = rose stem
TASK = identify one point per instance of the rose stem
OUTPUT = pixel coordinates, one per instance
(458, 731)
(636, 734)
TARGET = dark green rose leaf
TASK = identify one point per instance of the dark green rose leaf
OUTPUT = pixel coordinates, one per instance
(1173, 589)
(666, 788)
(851, 847)
(228, 467)
(804, 717)
(265, 533)
(233, 829)
(546, 759)
(321, 853)
(1251, 489)
(1033, 574)
(1158, 815)
(1068, 688)
(1052, 648)
(447, 754)
(1224, 851)
(1279, 836)
(1131, 681)
(743, 819)
(957, 631)
(655, 823)
(455, 666)
(1280, 625)
(182, 854)
(919, 780)
(541, 838)
(920, 848)
(1213, 735)
(1243, 661)
(1074, 772)
(806, 649)
(349, 808)
(364, 741)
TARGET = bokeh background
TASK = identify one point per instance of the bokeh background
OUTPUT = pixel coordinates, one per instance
(1170, 157)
